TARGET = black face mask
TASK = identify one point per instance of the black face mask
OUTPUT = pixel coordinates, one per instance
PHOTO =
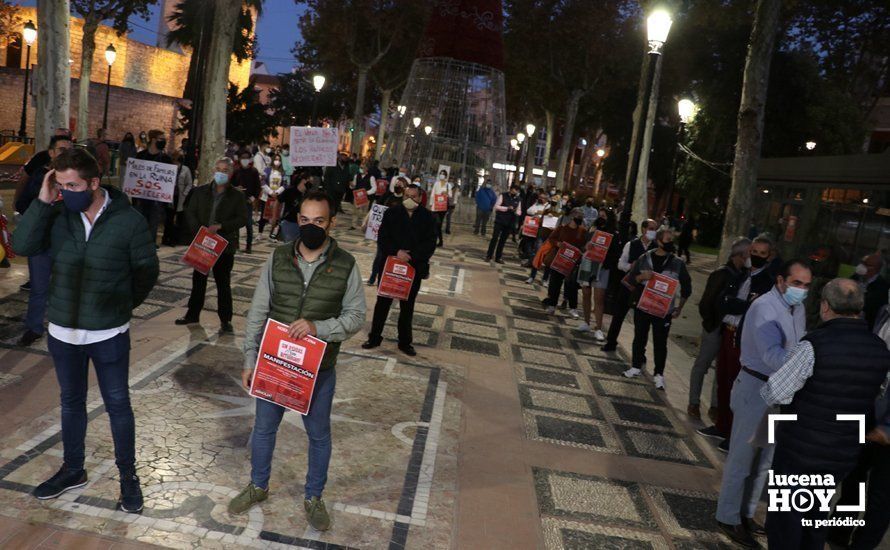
(312, 236)
(161, 144)
(579, 221)
(758, 261)
(599, 223)
(668, 247)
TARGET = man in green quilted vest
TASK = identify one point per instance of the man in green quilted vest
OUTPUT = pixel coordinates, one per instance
(314, 286)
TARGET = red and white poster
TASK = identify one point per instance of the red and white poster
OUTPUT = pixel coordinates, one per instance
(204, 251)
(566, 258)
(286, 369)
(382, 187)
(530, 226)
(440, 202)
(360, 197)
(658, 295)
(598, 246)
(397, 278)
(272, 209)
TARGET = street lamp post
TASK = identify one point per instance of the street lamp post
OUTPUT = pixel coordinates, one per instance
(110, 56)
(29, 34)
(686, 109)
(318, 84)
(427, 130)
(658, 24)
(530, 131)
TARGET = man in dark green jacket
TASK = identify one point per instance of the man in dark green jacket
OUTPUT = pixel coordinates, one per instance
(104, 265)
(220, 208)
(315, 287)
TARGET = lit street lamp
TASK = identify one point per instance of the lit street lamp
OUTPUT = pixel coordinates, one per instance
(530, 129)
(686, 110)
(29, 34)
(318, 84)
(810, 145)
(520, 137)
(600, 153)
(401, 110)
(416, 121)
(110, 56)
(658, 24)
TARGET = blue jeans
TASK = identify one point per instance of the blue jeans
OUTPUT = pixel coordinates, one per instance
(318, 429)
(290, 231)
(40, 268)
(111, 359)
(741, 487)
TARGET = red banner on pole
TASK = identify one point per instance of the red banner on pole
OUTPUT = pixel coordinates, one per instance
(440, 202)
(530, 226)
(360, 197)
(286, 369)
(397, 278)
(658, 295)
(598, 246)
(566, 258)
(204, 251)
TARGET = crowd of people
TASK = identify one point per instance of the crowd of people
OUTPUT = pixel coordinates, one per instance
(752, 309)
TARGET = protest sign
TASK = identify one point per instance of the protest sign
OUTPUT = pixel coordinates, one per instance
(598, 246)
(397, 278)
(313, 146)
(566, 258)
(204, 251)
(658, 295)
(149, 180)
(530, 226)
(374, 220)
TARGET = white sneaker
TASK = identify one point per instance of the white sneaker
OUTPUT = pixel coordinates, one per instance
(659, 382)
(551, 310)
(574, 314)
(529, 281)
(632, 372)
(583, 327)
(599, 336)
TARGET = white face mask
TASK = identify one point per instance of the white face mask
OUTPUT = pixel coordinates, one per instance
(245, 162)
(861, 269)
(441, 177)
(276, 163)
(748, 263)
(650, 234)
(268, 150)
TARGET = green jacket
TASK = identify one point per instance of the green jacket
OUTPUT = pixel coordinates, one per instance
(95, 284)
(320, 298)
(231, 213)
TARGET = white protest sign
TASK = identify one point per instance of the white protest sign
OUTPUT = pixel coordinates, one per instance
(313, 146)
(149, 180)
(374, 220)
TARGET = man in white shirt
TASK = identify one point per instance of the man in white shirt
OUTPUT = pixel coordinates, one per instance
(440, 187)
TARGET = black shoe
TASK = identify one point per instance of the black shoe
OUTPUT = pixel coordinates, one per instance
(752, 526)
(723, 446)
(185, 321)
(609, 347)
(710, 431)
(738, 534)
(131, 494)
(370, 283)
(26, 287)
(371, 344)
(475, 232)
(248, 251)
(448, 232)
(488, 258)
(499, 261)
(28, 338)
(226, 328)
(408, 350)
(64, 480)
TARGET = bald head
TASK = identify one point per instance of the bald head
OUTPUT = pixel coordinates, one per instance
(841, 298)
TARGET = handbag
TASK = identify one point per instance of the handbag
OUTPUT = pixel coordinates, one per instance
(545, 255)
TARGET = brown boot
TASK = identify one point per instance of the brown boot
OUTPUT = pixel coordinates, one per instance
(694, 411)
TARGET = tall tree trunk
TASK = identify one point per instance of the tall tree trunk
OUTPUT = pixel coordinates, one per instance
(750, 127)
(640, 209)
(568, 137)
(53, 82)
(548, 141)
(358, 116)
(216, 80)
(532, 144)
(384, 120)
(586, 157)
(88, 48)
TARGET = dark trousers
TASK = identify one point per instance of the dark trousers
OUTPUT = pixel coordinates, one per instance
(728, 367)
(660, 329)
(111, 359)
(874, 468)
(481, 223)
(440, 218)
(151, 211)
(249, 207)
(556, 284)
(448, 220)
(622, 306)
(171, 229)
(40, 268)
(406, 316)
(377, 267)
(784, 529)
(263, 220)
(498, 239)
(222, 274)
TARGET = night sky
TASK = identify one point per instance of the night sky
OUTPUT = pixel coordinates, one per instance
(277, 31)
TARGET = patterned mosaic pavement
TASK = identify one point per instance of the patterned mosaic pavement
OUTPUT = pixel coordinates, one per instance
(610, 464)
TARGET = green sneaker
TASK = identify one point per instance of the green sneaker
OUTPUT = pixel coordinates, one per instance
(317, 514)
(247, 498)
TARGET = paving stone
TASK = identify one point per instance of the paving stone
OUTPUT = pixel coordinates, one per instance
(562, 534)
(658, 445)
(477, 316)
(551, 378)
(641, 414)
(624, 390)
(558, 401)
(460, 343)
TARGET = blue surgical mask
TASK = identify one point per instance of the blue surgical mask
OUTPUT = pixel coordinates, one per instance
(221, 178)
(795, 296)
(77, 201)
